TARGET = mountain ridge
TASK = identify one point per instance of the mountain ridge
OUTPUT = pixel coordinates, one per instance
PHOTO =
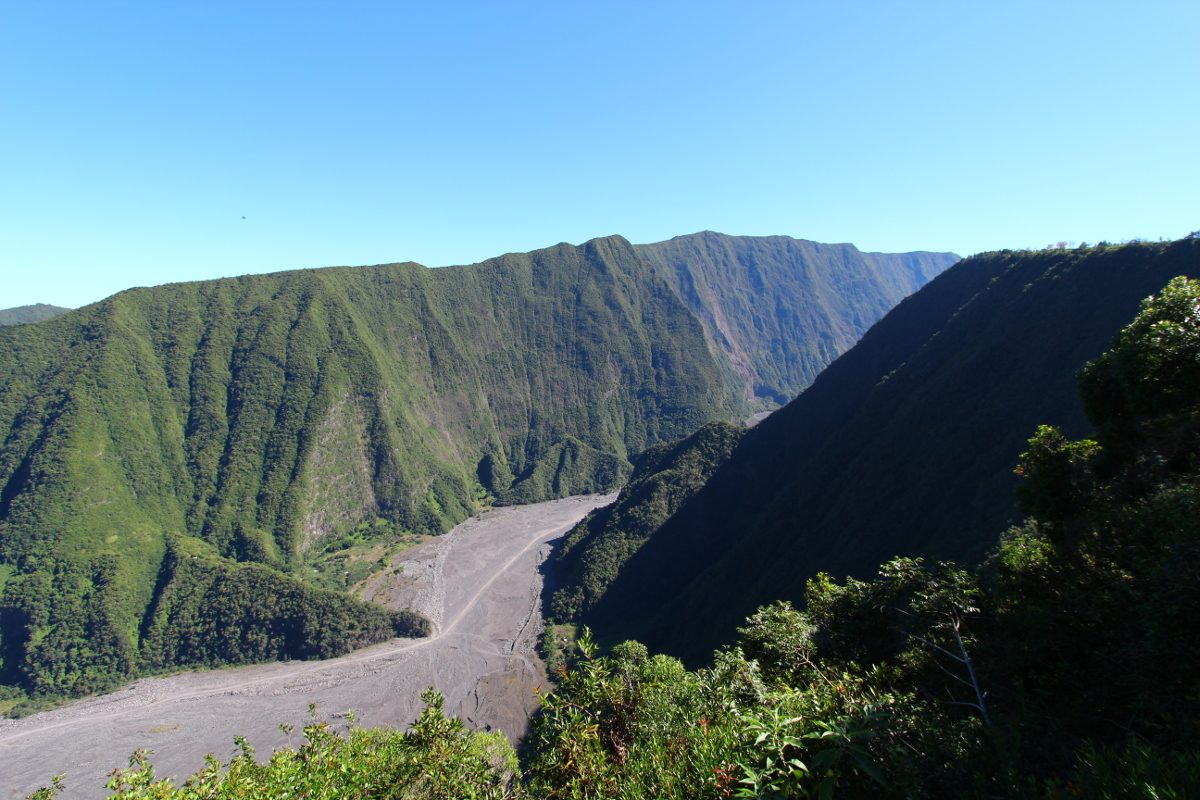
(313, 417)
(37, 312)
(778, 309)
(839, 482)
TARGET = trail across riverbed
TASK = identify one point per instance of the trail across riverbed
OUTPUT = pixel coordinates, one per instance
(481, 587)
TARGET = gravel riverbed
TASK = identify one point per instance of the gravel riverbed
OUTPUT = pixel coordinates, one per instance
(481, 586)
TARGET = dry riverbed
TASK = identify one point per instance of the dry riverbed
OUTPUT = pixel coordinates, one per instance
(480, 585)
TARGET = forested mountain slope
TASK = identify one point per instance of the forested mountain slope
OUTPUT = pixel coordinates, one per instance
(905, 445)
(155, 442)
(777, 309)
(253, 414)
(33, 313)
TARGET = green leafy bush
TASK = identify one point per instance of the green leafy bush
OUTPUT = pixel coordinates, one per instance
(437, 758)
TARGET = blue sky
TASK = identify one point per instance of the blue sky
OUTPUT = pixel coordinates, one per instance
(145, 143)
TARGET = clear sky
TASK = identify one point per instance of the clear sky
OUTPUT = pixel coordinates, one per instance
(144, 143)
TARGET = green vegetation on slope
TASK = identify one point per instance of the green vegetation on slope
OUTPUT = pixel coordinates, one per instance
(904, 445)
(777, 310)
(343, 562)
(270, 416)
(206, 611)
(1062, 667)
(212, 612)
(263, 415)
(33, 313)
(667, 476)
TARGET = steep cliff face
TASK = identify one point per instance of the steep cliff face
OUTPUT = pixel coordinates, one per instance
(777, 310)
(905, 445)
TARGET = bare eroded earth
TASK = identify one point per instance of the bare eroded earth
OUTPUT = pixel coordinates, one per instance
(481, 587)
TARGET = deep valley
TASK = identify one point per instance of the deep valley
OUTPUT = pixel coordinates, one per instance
(955, 556)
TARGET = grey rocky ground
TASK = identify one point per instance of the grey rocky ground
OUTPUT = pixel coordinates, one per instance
(480, 585)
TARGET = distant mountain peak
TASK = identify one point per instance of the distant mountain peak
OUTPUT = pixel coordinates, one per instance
(34, 313)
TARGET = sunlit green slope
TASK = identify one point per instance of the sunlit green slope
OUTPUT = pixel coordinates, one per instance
(258, 413)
